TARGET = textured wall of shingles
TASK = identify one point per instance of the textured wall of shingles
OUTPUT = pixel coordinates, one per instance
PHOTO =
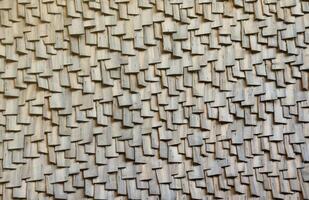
(137, 99)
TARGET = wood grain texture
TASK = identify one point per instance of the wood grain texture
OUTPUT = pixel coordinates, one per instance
(154, 99)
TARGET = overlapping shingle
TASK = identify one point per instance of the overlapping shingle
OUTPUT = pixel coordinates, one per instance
(154, 99)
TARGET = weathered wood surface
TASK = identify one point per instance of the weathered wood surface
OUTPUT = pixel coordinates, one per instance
(148, 99)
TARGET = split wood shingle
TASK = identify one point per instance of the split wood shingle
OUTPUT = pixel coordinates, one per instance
(154, 99)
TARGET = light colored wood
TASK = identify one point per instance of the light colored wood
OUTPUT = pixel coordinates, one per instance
(154, 99)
